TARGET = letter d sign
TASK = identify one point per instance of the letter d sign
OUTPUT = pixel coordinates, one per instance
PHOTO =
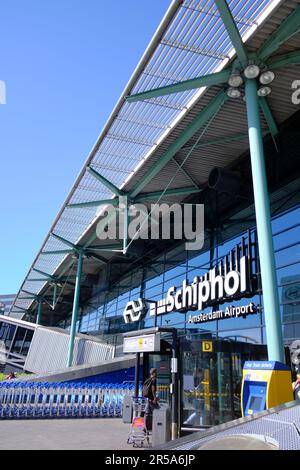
(207, 346)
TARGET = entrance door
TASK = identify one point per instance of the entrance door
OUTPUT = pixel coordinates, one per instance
(207, 389)
(211, 381)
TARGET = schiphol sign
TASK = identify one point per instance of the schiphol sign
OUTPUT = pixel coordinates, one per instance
(229, 312)
(214, 288)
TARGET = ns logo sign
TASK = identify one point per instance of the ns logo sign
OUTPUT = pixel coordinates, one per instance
(134, 310)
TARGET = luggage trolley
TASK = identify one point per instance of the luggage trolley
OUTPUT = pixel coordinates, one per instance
(138, 431)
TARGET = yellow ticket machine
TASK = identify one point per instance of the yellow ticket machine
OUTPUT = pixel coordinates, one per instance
(265, 384)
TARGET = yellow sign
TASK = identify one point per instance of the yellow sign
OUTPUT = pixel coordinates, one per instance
(207, 346)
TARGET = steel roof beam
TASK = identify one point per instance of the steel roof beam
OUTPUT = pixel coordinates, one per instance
(105, 181)
(32, 296)
(99, 258)
(232, 30)
(52, 277)
(29, 293)
(292, 58)
(106, 248)
(204, 116)
(57, 282)
(169, 192)
(286, 30)
(43, 273)
(57, 252)
(221, 140)
(67, 267)
(66, 242)
(64, 278)
(94, 236)
(27, 298)
(263, 103)
(180, 166)
(113, 202)
(20, 308)
(207, 80)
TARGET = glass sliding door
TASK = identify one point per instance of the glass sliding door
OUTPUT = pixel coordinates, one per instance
(207, 386)
(211, 381)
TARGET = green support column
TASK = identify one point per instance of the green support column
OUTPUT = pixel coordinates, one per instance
(75, 309)
(54, 295)
(264, 228)
(39, 313)
(124, 200)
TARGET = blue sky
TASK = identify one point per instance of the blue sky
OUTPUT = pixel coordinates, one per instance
(65, 64)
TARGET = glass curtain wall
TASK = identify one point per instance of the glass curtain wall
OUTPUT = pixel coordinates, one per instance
(103, 315)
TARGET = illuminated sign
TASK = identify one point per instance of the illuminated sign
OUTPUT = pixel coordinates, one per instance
(207, 346)
(231, 279)
(134, 310)
(228, 312)
(203, 291)
(145, 343)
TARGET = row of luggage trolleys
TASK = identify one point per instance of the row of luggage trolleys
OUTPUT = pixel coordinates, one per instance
(21, 400)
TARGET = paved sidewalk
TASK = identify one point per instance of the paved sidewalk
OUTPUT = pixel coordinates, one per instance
(79, 434)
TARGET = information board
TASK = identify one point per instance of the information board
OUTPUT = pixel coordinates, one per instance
(145, 343)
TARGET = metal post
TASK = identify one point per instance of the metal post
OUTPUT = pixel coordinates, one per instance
(75, 309)
(137, 375)
(264, 228)
(39, 313)
(231, 387)
(145, 366)
(174, 425)
(220, 388)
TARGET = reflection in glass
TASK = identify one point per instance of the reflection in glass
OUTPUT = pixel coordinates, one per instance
(18, 341)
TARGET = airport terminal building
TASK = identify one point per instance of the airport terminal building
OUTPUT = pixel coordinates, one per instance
(209, 117)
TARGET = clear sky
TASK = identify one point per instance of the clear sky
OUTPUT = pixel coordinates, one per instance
(65, 64)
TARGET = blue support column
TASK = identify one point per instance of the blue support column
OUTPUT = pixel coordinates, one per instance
(39, 313)
(264, 228)
(75, 309)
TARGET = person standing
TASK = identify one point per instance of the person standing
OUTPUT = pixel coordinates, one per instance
(150, 391)
(197, 417)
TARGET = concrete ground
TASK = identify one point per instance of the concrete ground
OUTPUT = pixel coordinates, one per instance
(79, 434)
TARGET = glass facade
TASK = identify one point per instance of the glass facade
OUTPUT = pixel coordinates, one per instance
(209, 381)
(103, 316)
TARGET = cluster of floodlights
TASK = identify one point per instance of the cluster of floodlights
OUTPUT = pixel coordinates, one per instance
(251, 71)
